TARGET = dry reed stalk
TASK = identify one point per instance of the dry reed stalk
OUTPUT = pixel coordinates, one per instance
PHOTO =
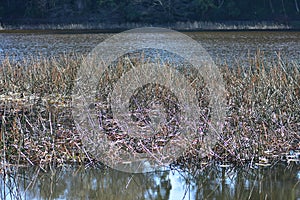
(262, 121)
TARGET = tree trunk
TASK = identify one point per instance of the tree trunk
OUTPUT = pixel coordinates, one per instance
(220, 3)
(271, 6)
(296, 5)
(283, 7)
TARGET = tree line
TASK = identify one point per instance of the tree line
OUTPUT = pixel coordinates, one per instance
(150, 11)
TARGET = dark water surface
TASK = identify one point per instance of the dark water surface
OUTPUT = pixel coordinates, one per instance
(223, 46)
(280, 182)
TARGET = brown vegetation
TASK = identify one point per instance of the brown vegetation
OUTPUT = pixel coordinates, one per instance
(262, 123)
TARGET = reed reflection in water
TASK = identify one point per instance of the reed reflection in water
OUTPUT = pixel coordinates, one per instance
(280, 182)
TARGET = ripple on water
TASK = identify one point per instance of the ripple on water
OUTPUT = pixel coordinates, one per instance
(224, 47)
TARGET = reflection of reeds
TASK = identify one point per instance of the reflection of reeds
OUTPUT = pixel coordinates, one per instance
(99, 183)
(262, 122)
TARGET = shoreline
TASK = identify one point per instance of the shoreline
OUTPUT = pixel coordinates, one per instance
(98, 31)
(196, 26)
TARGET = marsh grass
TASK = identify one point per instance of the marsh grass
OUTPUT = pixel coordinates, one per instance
(262, 122)
(194, 25)
(263, 119)
(36, 119)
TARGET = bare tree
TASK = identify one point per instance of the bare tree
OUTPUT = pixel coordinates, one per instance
(219, 3)
(296, 5)
(42, 4)
(271, 6)
(283, 7)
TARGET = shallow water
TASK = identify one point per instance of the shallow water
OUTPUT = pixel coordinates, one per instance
(281, 182)
(224, 47)
(24, 45)
(240, 46)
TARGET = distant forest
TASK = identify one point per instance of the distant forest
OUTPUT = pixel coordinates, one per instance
(147, 11)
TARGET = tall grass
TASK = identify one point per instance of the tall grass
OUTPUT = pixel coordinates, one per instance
(35, 111)
(262, 120)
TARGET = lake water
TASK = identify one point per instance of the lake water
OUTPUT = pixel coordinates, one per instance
(224, 47)
(280, 182)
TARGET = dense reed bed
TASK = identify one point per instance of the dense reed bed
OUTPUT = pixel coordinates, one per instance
(262, 122)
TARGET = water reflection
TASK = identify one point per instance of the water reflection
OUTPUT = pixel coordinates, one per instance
(281, 182)
(224, 47)
(27, 45)
(242, 45)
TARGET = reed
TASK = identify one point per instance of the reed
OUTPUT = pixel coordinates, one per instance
(189, 25)
(262, 122)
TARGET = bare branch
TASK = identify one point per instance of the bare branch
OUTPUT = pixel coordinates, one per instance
(296, 5)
